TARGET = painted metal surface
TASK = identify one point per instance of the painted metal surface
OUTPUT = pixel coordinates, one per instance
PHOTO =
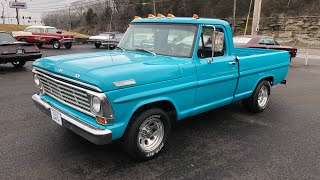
(191, 85)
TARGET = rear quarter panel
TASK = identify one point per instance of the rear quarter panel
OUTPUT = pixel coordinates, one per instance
(258, 64)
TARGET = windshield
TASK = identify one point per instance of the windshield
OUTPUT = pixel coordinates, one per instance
(52, 30)
(164, 39)
(6, 38)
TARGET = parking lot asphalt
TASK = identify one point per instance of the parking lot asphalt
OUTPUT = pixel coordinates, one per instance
(283, 142)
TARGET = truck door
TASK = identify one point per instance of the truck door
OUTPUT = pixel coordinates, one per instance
(217, 76)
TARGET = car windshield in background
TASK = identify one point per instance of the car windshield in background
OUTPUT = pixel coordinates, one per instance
(52, 30)
(172, 40)
(6, 38)
(241, 40)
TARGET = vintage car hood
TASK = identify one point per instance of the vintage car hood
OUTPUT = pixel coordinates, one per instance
(105, 68)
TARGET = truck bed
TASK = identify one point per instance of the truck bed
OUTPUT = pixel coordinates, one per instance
(255, 64)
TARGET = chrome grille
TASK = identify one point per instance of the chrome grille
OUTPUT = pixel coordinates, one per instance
(66, 93)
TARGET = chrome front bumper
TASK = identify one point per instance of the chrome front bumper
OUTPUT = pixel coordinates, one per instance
(93, 134)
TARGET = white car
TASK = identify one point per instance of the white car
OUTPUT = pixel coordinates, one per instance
(110, 39)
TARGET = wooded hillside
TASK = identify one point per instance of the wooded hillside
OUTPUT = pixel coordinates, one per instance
(91, 17)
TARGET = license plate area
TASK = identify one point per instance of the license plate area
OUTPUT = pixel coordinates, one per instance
(19, 51)
(56, 116)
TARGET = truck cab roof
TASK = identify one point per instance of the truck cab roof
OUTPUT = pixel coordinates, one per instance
(181, 20)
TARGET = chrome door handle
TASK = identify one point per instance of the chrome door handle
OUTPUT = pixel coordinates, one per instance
(232, 63)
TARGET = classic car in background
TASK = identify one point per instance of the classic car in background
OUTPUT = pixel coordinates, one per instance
(45, 35)
(17, 53)
(108, 39)
(264, 42)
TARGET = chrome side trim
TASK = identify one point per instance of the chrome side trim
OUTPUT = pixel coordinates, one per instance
(80, 124)
(36, 70)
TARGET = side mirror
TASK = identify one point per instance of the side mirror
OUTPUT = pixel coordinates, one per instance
(59, 32)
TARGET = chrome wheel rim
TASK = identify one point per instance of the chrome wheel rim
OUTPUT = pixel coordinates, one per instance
(16, 63)
(55, 44)
(151, 133)
(263, 97)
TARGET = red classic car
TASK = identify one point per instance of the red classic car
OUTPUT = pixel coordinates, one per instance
(265, 42)
(44, 35)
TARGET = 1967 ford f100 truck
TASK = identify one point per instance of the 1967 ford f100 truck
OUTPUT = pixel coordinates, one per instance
(165, 69)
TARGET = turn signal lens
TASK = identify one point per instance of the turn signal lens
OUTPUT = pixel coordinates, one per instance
(169, 15)
(137, 17)
(195, 16)
(160, 16)
(41, 91)
(150, 16)
(101, 120)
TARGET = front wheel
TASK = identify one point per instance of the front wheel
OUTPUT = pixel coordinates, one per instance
(68, 45)
(259, 99)
(147, 134)
(18, 64)
(56, 44)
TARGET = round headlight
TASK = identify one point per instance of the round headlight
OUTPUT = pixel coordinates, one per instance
(96, 104)
(36, 80)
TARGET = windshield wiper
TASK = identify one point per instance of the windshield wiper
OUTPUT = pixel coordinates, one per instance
(144, 50)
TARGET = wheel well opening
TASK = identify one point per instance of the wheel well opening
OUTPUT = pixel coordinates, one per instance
(52, 40)
(166, 106)
(270, 79)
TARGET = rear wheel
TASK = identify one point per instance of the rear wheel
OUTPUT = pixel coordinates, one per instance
(259, 99)
(18, 64)
(68, 45)
(98, 45)
(147, 134)
(23, 40)
(56, 44)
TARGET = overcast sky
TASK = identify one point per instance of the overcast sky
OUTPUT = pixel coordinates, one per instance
(35, 9)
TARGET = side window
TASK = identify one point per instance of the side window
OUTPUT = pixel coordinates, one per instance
(267, 41)
(30, 30)
(39, 30)
(205, 44)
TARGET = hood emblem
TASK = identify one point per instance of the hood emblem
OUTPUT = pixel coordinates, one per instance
(77, 76)
(124, 83)
(60, 70)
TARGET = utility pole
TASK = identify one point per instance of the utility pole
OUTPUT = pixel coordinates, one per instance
(69, 20)
(256, 17)
(234, 15)
(154, 7)
(17, 10)
(3, 18)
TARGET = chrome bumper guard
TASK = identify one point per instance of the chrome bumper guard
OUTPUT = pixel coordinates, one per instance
(93, 134)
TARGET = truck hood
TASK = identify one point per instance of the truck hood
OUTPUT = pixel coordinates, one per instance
(104, 68)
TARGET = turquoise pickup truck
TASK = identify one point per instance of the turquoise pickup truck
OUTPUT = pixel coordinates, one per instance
(164, 70)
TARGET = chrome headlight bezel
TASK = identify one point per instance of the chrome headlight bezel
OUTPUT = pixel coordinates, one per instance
(105, 110)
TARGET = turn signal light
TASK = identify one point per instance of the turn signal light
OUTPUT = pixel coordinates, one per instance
(169, 15)
(41, 91)
(160, 16)
(195, 16)
(101, 120)
(137, 17)
(150, 16)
